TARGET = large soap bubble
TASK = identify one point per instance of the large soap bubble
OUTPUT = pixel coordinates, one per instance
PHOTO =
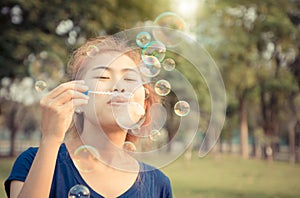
(173, 124)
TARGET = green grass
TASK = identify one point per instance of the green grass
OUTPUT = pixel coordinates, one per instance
(5, 168)
(230, 176)
(221, 176)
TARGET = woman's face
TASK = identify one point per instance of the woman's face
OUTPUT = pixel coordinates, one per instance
(113, 73)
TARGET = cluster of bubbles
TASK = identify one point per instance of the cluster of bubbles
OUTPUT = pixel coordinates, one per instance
(154, 52)
(154, 47)
(158, 66)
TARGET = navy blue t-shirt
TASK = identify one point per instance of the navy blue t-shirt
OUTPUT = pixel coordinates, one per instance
(152, 183)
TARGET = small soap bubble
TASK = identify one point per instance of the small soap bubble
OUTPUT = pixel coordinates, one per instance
(40, 85)
(92, 51)
(154, 135)
(156, 49)
(150, 66)
(129, 146)
(171, 21)
(182, 108)
(129, 115)
(162, 87)
(142, 39)
(84, 156)
(47, 66)
(168, 64)
(79, 191)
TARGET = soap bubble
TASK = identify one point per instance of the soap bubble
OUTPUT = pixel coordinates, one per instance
(84, 158)
(79, 191)
(129, 146)
(182, 108)
(154, 135)
(129, 115)
(40, 85)
(48, 67)
(156, 49)
(168, 64)
(142, 39)
(158, 117)
(168, 20)
(162, 87)
(150, 67)
(92, 51)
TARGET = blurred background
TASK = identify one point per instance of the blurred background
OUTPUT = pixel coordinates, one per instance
(256, 45)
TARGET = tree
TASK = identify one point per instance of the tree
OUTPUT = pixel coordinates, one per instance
(34, 27)
(255, 43)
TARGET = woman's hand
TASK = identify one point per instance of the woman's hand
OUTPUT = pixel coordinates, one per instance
(58, 108)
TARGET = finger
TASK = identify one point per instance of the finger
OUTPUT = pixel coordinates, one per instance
(72, 105)
(72, 85)
(69, 95)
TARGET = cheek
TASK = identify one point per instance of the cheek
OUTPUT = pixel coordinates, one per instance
(91, 83)
(96, 104)
(139, 96)
(95, 84)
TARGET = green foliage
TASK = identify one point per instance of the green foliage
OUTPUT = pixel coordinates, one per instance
(254, 42)
(29, 27)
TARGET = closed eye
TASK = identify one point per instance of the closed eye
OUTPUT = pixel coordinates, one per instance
(130, 79)
(102, 77)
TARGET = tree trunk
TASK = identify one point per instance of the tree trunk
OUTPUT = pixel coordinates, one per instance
(13, 129)
(292, 126)
(243, 127)
(292, 142)
(270, 110)
(220, 144)
(12, 149)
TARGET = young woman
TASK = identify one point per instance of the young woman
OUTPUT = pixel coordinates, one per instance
(72, 118)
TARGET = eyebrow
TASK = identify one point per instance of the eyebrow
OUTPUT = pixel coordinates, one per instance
(101, 67)
(109, 69)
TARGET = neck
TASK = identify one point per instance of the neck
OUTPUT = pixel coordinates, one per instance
(107, 138)
(109, 143)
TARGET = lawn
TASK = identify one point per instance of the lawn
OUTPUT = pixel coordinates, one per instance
(231, 176)
(221, 176)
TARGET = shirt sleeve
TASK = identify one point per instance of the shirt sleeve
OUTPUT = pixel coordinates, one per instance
(20, 168)
(166, 189)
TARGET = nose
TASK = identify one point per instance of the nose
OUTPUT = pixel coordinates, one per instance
(117, 84)
(117, 90)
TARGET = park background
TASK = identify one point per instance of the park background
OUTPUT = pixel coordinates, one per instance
(256, 45)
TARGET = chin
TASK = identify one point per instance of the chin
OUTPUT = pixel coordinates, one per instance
(109, 125)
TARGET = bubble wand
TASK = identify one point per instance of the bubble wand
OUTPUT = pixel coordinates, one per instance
(128, 94)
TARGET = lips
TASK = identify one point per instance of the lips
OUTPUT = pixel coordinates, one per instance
(118, 101)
